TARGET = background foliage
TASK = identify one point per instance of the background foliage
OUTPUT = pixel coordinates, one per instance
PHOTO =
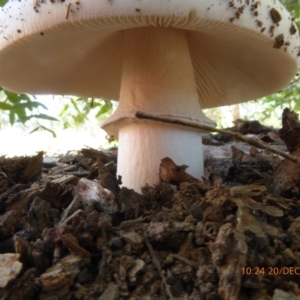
(267, 110)
(273, 105)
(290, 96)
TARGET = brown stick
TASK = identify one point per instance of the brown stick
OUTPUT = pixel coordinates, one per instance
(249, 140)
(159, 269)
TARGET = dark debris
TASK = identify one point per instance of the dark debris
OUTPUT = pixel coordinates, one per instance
(67, 231)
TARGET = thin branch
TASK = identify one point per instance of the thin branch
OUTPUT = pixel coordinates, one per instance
(159, 269)
(249, 140)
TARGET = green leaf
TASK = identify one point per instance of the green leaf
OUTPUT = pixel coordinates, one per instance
(3, 2)
(66, 125)
(44, 117)
(12, 97)
(64, 110)
(75, 105)
(22, 106)
(44, 128)
(12, 117)
(103, 110)
(24, 97)
(79, 119)
(106, 108)
(36, 104)
(5, 106)
(20, 112)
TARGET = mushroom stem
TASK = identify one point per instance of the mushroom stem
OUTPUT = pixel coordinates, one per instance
(157, 78)
(142, 145)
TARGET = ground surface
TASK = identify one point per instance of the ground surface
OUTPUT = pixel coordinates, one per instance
(67, 231)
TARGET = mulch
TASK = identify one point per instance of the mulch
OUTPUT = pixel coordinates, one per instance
(68, 230)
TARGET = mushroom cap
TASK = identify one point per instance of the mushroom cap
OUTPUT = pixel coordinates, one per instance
(240, 49)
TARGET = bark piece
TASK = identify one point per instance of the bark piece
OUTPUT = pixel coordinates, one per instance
(249, 222)
(229, 258)
(63, 233)
(294, 233)
(89, 190)
(22, 169)
(58, 195)
(111, 292)
(253, 127)
(39, 215)
(286, 179)
(283, 295)
(290, 131)
(132, 236)
(171, 173)
(250, 190)
(107, 179)
(58, 279)
(106, 156)
(23, 288)
(255, 205)
(131, 203)
(10, 267)
(30, 256)
(7, 224)
(34, 168)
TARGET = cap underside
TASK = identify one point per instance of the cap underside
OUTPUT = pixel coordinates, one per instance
(82, 57)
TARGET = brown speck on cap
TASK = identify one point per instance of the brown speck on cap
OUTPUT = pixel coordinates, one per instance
(293, 29)
(259, 23)
(254, 6)
(231, 4)
(271, 30)
(239, 11)
(279, 41)
(275, 15)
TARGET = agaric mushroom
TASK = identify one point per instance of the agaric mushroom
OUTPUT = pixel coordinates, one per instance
(164, 57)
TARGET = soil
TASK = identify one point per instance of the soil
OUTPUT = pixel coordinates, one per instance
(69, 231)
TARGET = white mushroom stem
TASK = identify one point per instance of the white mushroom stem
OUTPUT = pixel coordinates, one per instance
(157, 78)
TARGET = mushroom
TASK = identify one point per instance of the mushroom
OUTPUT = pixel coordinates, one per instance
(165, 57)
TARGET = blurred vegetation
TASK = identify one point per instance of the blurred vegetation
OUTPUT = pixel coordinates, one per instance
(267, 110)
(270, 108)
(290, 96)
(81, 107)
(20, 108)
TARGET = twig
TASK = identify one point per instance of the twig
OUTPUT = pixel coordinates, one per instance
(77, 212)
(6, 177)
(102, 264)
(13, 189)
(189, 262)
(234, 135)
(159, 269)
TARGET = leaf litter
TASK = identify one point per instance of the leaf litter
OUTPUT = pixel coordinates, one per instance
(68, 230)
